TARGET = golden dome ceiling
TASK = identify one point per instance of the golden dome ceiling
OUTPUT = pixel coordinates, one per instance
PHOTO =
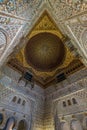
(45, 52)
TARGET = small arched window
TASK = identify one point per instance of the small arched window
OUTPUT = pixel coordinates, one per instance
(64, 104)
(69, 102)
(23, 103)
(74, 101)
(19, 101)
(22, 125)
(14, 99)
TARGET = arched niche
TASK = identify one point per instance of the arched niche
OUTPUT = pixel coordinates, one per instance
(76, 125)
(14, 99)
(22, 125)
(74, 101)
(65, 126)
(10, 124)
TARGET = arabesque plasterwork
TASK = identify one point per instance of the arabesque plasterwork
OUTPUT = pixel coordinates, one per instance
(77, 28)
(17, 18)
(45, 24)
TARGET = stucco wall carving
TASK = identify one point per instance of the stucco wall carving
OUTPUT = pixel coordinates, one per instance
(65, 93)
(74, 14)
(20, 14)
(17, 7)
(16, 109)
(14, 15)
(3, 40)
(71, 16)
(84, 39)
(31, 111)
(65, 9)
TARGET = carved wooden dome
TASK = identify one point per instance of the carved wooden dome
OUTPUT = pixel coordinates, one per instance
(45, 52)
